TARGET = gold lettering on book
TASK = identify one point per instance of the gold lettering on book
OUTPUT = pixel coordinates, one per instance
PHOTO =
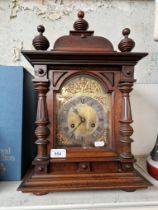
(6, 154)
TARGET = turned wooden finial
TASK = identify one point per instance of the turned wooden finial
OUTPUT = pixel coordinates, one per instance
(81, 24)
(126, 44)
(40, 42)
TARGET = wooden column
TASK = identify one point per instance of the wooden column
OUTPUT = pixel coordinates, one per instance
(42, 131)
(126, 130)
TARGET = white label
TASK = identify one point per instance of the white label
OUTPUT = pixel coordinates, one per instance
(99, 143)
(58, 153)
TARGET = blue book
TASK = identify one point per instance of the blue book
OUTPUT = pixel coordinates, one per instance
(17, 116)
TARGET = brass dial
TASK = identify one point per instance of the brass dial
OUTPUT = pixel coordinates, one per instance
(82, 121)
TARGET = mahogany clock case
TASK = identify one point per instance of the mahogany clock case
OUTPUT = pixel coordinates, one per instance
(83, 108)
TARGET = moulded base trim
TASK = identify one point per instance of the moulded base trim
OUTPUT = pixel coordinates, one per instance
(45, 183)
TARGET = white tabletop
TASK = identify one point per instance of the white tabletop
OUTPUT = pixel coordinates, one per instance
(94, 200)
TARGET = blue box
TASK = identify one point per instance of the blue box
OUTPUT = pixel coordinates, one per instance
(17, 116)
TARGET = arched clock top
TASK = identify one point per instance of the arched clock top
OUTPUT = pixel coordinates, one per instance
(59, 79)
(82, 40)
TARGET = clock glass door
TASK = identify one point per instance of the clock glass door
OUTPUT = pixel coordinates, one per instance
(83, 114)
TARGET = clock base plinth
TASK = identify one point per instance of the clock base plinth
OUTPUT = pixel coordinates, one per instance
(45, 183)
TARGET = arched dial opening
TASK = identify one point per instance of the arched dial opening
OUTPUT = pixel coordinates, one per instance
(83, 113)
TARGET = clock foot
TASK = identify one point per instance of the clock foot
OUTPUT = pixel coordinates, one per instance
(129, 190)
(40, 193)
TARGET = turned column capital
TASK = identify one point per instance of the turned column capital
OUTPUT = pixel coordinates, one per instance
(41, 86)
(125, 87)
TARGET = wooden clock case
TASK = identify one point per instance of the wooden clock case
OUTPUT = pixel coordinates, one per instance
(82, 53)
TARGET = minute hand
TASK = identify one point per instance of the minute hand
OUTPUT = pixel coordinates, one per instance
(77, 126)
(82, 120)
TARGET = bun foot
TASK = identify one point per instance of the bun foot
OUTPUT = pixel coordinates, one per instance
(129, 190)
(40, 193)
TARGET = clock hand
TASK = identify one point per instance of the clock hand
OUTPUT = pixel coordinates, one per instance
(82, 120)
(77, 126)
(76, 112)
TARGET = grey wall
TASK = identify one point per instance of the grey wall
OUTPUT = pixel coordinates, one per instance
(19, 19)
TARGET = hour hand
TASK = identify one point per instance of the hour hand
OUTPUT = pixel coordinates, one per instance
(82, 120)
(76, 112)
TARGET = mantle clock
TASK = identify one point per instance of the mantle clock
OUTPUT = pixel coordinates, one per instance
(83, 123)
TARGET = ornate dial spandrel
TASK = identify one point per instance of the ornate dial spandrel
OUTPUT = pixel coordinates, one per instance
(83, 113)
